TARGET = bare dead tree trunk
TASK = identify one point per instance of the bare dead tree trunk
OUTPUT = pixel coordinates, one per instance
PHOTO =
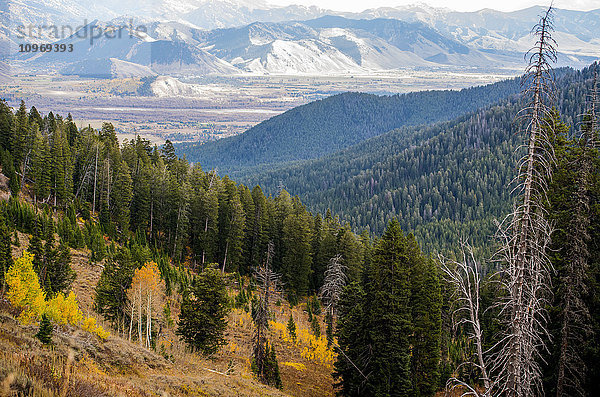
(140, 315)
(269, 284)
(225, 258)
(108, 184)
(24, 169)
(465, 278)
(527, 234)
(149, 319)
(212, 178)
(95, 180)
(131, 318)
(333, 284)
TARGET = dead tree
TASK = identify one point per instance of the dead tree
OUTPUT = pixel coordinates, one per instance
(269, 287)
(333, 285)
(525, 233)
(465, 278)
(574, 314)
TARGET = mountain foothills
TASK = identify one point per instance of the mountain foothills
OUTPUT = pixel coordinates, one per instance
(433, 243)
(329, 125)
(444, 181)
(164, 232)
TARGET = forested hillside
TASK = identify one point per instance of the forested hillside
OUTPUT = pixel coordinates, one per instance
(188, 214)
(326, 126)
(177, 253)
(442, 181)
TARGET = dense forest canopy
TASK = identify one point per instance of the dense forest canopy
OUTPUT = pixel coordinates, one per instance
(194, 216)
(444, 181)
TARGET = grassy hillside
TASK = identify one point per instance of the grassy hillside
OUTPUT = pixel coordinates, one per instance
(80, 364)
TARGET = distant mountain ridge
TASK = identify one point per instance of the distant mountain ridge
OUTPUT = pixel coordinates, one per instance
(335, 44)
(258, 38)
(444, 181)
(335, 123)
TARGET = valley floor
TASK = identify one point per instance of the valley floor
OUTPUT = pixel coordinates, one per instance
(211, 107)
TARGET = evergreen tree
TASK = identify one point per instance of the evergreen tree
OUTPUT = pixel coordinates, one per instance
(389, 315)
(140, 202)
(202, 321)
(120, 198)
(231, 227)
(291, 327)
(45, 332)
(20, 137)
(205, 210)
(40, 169)
(572, 253)
(61, 176)
(297, 259)
(6, 259)
(108, 135)
(110, 299)
(273, 376)
(258, 237)
(35, 246)
(49, 258)
(6, 126)
(354, 340)
(35, 117)
(60, 275)
(168, 152)
(426, 303)
(329, 328)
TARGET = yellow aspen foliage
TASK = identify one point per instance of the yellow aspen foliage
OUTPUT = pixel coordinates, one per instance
(298, 366)
(63, 310)
(89, 325)
(313, 349)
(24, 290)
(145, 294)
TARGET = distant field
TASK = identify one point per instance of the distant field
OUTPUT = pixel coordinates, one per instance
(219, 106)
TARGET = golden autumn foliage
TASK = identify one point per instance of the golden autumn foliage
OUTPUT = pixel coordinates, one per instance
(298, 366)
(89, 325)
(145, 294)
(24, 292)
(63, 310)
(313, 349)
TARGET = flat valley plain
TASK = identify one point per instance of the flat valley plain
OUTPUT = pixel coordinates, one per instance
(212, 107)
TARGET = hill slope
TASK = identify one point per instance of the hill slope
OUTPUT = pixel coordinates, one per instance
(326, 126)
(441, 181)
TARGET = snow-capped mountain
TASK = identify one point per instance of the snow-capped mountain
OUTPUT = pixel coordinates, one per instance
(259, 38)
(576, 32)
(337, 45)
(134, 47)
(213, 14)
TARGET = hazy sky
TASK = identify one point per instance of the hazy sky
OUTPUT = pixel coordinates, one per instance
(459, 5)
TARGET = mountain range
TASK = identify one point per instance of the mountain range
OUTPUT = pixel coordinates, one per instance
(225, 37)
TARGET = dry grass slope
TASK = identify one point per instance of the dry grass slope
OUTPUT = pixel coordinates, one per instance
(80, 364)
